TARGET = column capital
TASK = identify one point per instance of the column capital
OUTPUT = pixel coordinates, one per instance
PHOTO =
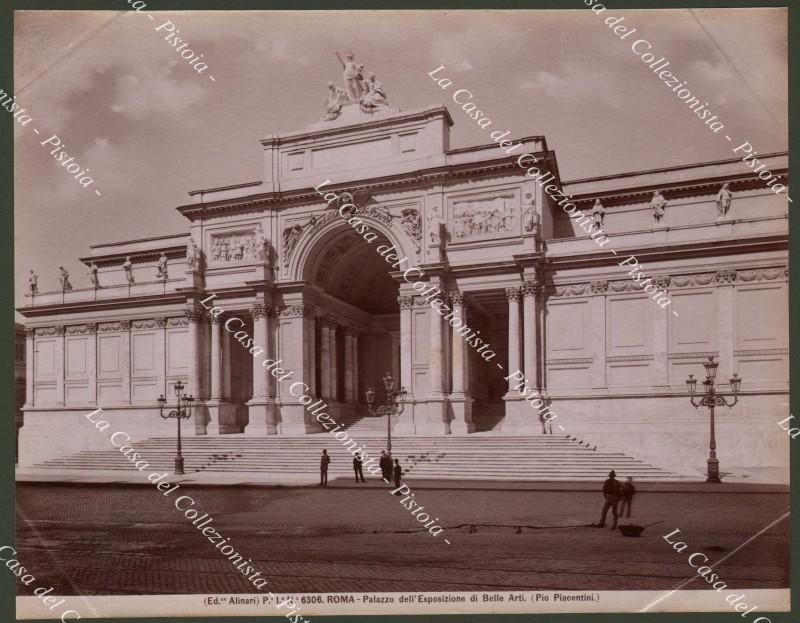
(192, 315)
(125, 325)
(513, 294)
(331, 322)
(30, 332)
(598, 287)
(61, 329)
(295, 311)
(261, 310)
(529, 288)
(457, 298)
(405, 302)
(352, 331)
(161, 322)
(725, 276)
(662, 281)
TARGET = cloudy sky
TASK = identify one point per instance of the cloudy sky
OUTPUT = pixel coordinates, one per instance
(150, 128)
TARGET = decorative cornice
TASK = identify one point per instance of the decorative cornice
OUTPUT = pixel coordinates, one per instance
(147, 323)
(763, 274)
(177, 322)
(700, 279)
(572, 289)
(78, 329)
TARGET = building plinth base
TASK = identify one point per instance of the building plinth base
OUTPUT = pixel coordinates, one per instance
(261, 418)
(461, 415)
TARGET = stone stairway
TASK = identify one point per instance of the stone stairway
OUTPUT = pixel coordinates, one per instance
(474, 457)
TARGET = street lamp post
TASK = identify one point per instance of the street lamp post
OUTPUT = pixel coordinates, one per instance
(391, 407)
(182, 411)
(712, 399)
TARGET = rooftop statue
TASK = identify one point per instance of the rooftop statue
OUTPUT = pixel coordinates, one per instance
(359, 86)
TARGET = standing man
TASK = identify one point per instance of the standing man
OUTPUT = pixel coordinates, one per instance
(358, 467)
(386, 466)
(398, 472)
(323, 469)
(628, 491)
(611, 492)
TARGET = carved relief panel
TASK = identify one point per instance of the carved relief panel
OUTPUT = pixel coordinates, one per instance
(243, 246)
(484, 217)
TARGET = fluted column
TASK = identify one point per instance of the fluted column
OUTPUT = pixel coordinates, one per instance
(406, 303)
(348, 366)
(513, 296)
(260, 314)
(324, 359)
(334, 360)
(216, 359)
(528, 292)
(29, 367)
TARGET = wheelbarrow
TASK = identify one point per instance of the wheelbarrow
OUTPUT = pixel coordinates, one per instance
(634, 530)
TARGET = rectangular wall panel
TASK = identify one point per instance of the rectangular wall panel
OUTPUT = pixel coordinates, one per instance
(144, 354)
(630, 325)
(761, 317)
(109, 355)
(45, 358)
(696, 328)
(177, 341)
(566, 329)
(77, 350)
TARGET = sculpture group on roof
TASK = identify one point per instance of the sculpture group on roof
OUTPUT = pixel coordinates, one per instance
(359, 86)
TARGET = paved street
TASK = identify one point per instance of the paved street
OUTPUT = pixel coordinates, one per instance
(111, 539)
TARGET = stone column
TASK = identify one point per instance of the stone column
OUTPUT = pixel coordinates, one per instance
(354, 380)
(207, 356)
(29, 366)
(406, 304)
(125, 361)
(513, 296)
(436, 355)
(91, 356)
(597, 333)
(334, 360)
(60, 367)
(296, 329)
(193, 388)
(529, 323)
(324, 360)
(460, 401)
(216, 359)
(348, 366)
(725, 304)
(226, 365)
(661, 336)
(259, 315)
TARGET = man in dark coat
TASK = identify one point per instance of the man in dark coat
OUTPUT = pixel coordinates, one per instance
(324, 461)
(611, 493)
(385, 463)
(628, 491)
(398, 472)
(358, 467)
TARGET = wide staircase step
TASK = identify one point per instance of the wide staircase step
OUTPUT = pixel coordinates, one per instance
(475, 457)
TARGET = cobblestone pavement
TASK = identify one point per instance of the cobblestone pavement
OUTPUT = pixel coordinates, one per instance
(95, 540)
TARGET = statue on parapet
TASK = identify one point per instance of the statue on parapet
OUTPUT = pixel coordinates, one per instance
(658, 205)
(192, 256)
(93, 275)
(598, 214)
(333, 103)
(724, 197)
(161, 269)
(63, 279)
(33, 283)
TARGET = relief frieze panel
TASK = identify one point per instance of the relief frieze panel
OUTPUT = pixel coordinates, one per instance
(484, 218)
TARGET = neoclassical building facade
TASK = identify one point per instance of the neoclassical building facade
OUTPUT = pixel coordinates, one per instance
(287, 271)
